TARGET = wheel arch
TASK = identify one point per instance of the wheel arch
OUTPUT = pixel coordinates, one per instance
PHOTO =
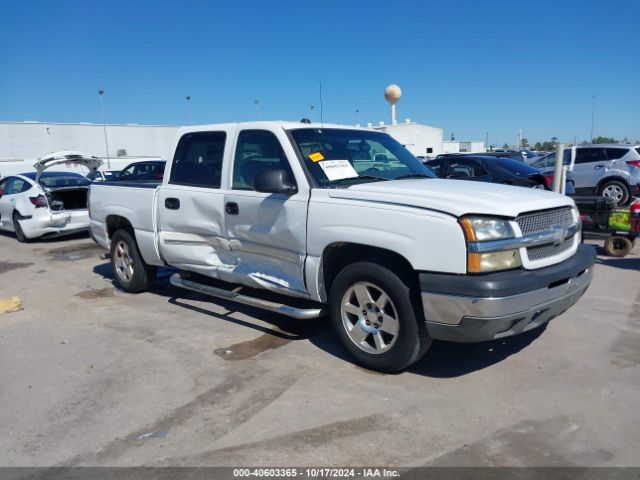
(115, 222)
(338, 255)
(611, 178)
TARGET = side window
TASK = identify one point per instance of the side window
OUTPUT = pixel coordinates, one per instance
(5, 184)
(128, 172)
(466, 168)
(615, 153)
(588, 155)
(198, 160)
(257, 150)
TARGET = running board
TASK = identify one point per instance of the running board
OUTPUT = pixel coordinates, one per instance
(300, 313)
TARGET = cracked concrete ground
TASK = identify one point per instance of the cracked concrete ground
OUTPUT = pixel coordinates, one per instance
(90, 375)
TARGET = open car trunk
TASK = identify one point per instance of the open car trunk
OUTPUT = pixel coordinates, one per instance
(67, 199)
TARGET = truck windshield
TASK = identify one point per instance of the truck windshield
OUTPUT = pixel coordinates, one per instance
(339, 157)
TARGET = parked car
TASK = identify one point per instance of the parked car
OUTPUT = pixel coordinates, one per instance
(607, 170)
(41, 203)
(311, 219)
(494, 169)
(526, 156)
(103, 175)
(146, 171)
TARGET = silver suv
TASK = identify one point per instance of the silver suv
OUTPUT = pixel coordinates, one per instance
(607, 170)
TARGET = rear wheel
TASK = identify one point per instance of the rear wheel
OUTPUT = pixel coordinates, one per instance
(617, 246)
(617, 190)
(376, 317)
(132, 274)
(22, 238)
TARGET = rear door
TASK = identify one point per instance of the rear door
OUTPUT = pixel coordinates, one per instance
(191, 229)
(468, 169)
(266, 232)
(589, 167)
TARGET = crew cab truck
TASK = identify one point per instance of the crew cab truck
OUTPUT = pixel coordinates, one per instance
(311, 219)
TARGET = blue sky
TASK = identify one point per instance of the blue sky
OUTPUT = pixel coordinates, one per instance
(470, 67)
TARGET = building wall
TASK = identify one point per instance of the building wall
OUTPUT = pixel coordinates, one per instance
(30, 141)
(421, 140)
(454, 146)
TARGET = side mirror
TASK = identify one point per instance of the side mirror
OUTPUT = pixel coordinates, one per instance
(274, 181)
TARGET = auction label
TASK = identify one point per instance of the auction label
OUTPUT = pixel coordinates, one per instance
(338, 169)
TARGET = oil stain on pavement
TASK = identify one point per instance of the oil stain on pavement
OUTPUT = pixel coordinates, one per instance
(252, 348)
(8, 266)
(95, 293)
(72, 253)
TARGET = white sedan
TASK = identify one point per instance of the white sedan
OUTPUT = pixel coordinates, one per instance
(40, 203)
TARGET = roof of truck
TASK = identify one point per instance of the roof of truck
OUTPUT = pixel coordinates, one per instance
(286, 125)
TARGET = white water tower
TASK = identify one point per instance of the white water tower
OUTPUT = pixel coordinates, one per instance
(392, 94)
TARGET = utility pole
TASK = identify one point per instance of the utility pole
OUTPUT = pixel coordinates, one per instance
(188, 99)
(593, 115)
(104, 127)
(486, 143)
(357, 117)
(257, 104)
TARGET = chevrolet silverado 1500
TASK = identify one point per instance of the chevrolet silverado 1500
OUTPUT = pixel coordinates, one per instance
(310, 219)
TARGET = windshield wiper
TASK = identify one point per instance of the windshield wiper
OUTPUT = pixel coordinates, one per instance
(359, 177)
(413, 175)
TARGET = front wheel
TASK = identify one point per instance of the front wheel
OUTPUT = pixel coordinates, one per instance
(376, 317)
(132, 274)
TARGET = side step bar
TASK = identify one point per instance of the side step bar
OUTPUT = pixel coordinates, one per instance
(300, 313)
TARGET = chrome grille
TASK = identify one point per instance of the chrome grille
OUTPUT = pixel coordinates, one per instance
(539, 222)
(549, 250)
(544, 221)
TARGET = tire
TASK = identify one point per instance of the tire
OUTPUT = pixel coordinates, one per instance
(20, 236)
(404, 340)
(615, 189)
(617, 246)
(132, 274)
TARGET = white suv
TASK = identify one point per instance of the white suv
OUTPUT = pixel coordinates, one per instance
(608, 170)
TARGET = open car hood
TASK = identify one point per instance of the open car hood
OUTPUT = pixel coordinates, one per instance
(67, 156)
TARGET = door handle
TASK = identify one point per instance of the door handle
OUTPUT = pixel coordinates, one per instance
(231, 208)
(172, 203)
(598, 167)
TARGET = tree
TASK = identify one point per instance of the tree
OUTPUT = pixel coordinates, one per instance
(537, 146)
(525, 143)
(604, 140)
(505, 146)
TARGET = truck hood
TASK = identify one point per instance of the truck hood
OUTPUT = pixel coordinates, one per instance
(455, 197)
(67, 156)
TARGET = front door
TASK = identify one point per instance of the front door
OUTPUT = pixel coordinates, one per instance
(266, 232)
(190, 205)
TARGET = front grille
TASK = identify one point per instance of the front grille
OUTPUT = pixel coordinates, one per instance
(541, 252)
(540, 222)
(530, 223)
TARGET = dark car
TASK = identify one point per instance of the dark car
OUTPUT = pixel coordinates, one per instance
(494, 169)
(147, 171)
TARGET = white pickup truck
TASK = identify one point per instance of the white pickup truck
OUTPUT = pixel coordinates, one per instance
(310, 219)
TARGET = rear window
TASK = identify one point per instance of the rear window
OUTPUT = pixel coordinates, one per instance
(615, 153)
(638, 150)
(198, 160)
(63, 180)
(514, 166)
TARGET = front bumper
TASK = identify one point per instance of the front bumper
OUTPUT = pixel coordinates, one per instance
(465, 308)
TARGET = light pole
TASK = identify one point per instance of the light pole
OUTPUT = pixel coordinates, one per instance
(188, 98)
(593, 113)
(104, 127)
(257, 104)
(357, 116)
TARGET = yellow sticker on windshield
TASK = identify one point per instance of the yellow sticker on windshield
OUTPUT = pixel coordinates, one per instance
(316, 157)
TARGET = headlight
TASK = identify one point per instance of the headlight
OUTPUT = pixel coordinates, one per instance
(487, 229)
(479, 229)
(493, 261)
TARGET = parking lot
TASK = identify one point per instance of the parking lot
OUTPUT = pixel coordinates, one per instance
(93, 376)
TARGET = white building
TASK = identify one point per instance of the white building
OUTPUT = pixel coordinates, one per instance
(421, 140)
(455, 146)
